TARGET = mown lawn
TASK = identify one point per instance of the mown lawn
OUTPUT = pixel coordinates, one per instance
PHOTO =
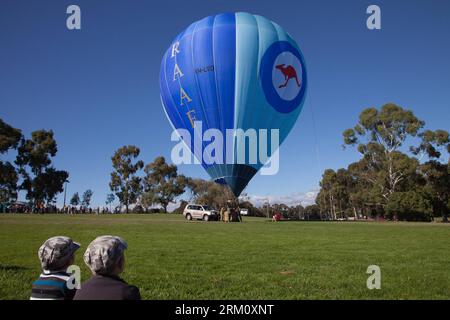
(170, 258)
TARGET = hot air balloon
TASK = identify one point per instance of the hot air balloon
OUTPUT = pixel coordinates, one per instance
(233, 71)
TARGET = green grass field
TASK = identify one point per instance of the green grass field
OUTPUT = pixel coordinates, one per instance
(170, 258)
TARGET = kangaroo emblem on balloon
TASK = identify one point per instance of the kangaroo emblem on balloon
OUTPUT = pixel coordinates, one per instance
(289, 73)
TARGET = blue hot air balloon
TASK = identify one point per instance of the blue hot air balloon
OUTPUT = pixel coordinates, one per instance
(233, 71)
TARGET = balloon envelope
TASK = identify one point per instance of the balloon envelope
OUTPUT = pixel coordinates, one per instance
(233, 71)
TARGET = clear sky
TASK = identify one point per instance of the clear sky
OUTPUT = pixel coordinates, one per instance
(97, 88)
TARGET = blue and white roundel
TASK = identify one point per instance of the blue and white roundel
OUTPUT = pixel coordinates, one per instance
(233, 71)
(283, 76)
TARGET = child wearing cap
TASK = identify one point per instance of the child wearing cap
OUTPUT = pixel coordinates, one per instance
(106, 260)
(55, 255)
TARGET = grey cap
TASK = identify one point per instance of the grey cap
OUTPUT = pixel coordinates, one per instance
(56, 252)
(103, 254)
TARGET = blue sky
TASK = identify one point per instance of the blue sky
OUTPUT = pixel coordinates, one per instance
(97, 88)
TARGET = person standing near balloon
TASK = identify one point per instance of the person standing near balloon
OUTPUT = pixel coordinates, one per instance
(239, 214)
(222, 211)
(227, 214)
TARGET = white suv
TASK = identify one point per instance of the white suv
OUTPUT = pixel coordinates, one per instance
(197, 211)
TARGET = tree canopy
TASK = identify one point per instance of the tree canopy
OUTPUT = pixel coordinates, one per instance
(391, 179)
(40, 179)
(124, 182)
(162, 183)
(9, 139)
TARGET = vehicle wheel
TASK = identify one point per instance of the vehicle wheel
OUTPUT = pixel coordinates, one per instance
(205, 217)
(188, 216)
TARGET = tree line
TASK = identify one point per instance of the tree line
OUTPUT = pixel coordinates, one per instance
(32, 169)
(402, 173)
(159, 185)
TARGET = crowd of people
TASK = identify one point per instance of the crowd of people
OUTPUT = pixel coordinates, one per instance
(81, 209)
(231, 213)
(23, 207)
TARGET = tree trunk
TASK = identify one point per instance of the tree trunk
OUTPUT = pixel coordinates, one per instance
(333, 208)
(444, 216)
